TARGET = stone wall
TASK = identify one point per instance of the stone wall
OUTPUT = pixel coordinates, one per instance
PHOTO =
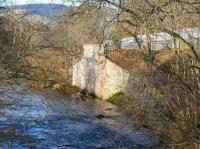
(98, 74)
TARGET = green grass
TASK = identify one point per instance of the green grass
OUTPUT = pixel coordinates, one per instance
(116, 98)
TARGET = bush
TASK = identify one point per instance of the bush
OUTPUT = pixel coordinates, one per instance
(166, 100)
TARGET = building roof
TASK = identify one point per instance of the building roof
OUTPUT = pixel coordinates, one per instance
(154, 37)
(190, 32)
(186, 33)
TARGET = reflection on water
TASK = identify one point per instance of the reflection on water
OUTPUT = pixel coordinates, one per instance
(42, 120)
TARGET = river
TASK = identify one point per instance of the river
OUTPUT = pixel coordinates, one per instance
(31, 119)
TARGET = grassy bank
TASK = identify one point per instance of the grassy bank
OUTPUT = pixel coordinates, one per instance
(165, 99)
(53, 70)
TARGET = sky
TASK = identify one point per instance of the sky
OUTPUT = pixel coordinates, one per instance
(20, 2)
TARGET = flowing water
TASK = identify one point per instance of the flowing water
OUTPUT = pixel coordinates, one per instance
(42, 120)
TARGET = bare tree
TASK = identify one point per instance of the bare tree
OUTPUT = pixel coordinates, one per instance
(171, 108)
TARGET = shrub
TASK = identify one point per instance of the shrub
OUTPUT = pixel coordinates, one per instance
(166, 100)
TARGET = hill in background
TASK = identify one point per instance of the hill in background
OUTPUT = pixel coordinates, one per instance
(45, 10)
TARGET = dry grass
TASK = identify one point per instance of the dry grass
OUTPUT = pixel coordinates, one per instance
(54, 70)
(165, 98)
(132, 60)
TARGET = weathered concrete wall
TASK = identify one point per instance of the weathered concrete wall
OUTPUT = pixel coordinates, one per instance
(98, 74)
(116, 78)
